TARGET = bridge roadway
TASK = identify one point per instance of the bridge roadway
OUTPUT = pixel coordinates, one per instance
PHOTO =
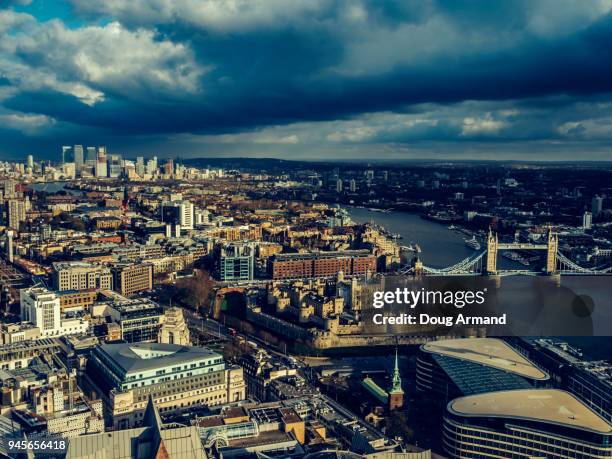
(520, 246)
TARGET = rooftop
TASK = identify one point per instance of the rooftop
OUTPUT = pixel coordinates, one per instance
(312, 255)
(544, 405)
(148, 356)
(491, 352)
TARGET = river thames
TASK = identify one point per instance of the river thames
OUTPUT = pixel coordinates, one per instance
(442, 247)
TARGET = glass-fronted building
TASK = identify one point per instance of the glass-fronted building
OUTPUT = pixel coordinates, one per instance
(452, 368)
(522, 424)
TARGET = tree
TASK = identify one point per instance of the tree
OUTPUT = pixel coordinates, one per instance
(195, 291)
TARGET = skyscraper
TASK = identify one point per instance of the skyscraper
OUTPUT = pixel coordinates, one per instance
(15, 212)
(596, 205)
(65, 153)
(101, 165)
(114, 165)
(78, 157)
(30, 162)
(169, 168)
(587, 220)
(140, 166)
(152, 165)
(91, 157)
(10, 188)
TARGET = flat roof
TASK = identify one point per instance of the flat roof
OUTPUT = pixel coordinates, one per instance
(545, 405)
(133, 357)
(311, 255)
(492, 352)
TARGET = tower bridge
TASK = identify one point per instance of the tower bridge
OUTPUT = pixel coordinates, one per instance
(485, 261)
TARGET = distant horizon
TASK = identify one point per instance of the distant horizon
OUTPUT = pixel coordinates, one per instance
(356, 161)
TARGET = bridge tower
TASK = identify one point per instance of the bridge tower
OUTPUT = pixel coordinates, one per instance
(492, 243)
(551, 252)
(417, 266)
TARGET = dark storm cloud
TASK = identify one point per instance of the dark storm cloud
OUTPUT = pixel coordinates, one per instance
(210, 70)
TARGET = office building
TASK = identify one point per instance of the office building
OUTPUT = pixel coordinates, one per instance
(14, 333)
(76, 300)
(176, 378)
(30, 161)
(132, 278)
(322, 264)
(79, 158)
(139, 320)
(169, 167)
(178, 212)
(20, 353)
(452, 368)
(81, 276)
(140, 166)
(101, 168)
(530, 423)
(596, 206)
(92, 156)
(591, 381)
(260, 369)
(66, 154)
(41, 307)
(115, 166)
(152, 166)
(236, 263)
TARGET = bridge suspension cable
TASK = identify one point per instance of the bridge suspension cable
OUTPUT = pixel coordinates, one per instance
(568, 266)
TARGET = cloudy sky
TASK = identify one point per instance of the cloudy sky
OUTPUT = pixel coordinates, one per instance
(308, 79)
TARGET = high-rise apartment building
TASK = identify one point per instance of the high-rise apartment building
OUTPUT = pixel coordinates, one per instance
(15, 212)
(10, 188)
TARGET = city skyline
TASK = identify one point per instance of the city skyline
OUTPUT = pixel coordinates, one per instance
(307, 80)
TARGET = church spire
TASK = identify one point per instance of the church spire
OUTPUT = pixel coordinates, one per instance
(397, 378)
